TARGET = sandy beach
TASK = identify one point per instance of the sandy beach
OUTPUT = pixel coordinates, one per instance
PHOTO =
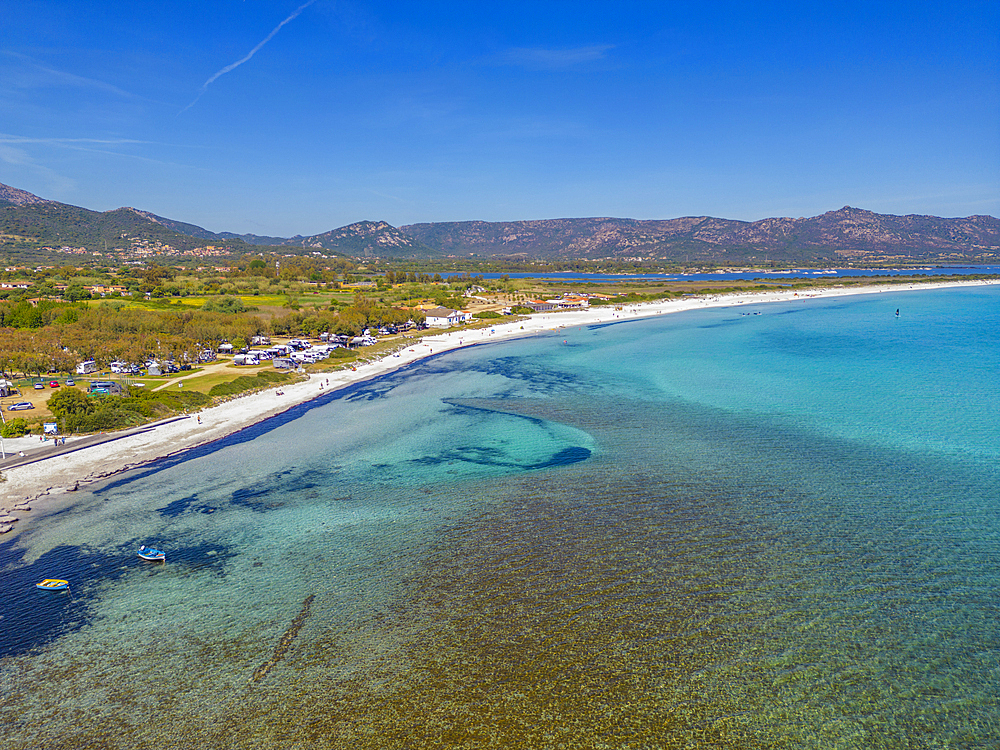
(50, 481)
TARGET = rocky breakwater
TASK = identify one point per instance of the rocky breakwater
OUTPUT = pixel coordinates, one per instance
(8, 519)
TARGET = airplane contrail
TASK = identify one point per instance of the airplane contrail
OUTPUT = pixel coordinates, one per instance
(250, 54)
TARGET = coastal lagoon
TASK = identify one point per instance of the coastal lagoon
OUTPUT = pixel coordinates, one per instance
(768, 526)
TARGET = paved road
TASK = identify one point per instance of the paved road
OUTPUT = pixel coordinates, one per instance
(79, 443)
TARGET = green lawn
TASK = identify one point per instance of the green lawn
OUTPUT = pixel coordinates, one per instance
(204, 383)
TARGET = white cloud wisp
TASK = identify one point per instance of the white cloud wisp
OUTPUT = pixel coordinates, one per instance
(250, 54)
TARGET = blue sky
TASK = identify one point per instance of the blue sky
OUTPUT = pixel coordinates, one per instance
(278, 117)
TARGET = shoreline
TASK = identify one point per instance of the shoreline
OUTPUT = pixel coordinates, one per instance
(53, 478)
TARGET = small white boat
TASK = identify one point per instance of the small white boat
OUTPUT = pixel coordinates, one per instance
(150, 553)
(52, 584)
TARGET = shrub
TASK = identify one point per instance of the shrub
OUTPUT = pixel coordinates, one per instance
(226, 305)
(15, 428)
(116, 412)
(175, 400)
(68, 402)
(243, 383)
(111, 413)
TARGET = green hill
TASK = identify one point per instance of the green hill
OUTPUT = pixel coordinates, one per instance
(847, 235)
(32, 228)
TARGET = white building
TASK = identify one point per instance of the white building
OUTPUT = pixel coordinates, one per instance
(443, 317)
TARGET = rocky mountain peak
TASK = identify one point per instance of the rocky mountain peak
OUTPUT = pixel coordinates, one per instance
(19, 197)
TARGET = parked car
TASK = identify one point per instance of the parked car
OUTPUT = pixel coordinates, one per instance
(53, 384)
(20, 406)
(70, 381)
(39, 386)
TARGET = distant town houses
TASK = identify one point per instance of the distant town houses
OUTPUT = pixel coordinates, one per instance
(70, 250)
(573, 302)
(97, 290)
(103, 291)
(140, 248)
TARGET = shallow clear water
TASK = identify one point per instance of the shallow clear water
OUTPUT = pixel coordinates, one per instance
(714, 529)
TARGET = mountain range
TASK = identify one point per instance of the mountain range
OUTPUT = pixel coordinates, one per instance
(28, 222)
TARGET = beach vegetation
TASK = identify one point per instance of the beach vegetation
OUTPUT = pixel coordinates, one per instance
(14, 428)
(109, 413)
(166, 402)
(244, 383)
(82, 414)
(68, 402)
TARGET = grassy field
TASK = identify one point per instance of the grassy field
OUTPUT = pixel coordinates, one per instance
(266, 305)
(204, 383)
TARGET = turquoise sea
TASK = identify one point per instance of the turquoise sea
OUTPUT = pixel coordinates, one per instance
(716, 529)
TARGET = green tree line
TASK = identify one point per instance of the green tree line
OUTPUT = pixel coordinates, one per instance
(55, 336)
